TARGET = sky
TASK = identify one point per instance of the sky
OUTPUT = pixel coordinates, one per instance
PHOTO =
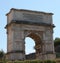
(38, 5)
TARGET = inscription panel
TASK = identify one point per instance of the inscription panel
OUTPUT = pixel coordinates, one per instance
(33, 17)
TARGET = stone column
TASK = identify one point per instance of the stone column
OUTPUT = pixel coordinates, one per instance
(48, 45)
(17, 49)
(18, 44)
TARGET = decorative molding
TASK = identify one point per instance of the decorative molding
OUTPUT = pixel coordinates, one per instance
(18, 51)
(30, 23)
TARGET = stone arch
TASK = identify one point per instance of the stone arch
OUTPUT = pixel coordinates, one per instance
(22, 23)
(38, 42)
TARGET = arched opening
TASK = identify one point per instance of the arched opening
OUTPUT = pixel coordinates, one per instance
(29, 45)
(33, 44)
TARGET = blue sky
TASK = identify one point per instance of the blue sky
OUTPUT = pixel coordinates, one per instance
(38, 5)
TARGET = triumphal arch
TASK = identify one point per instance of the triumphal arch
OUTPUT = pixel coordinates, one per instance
(27, 23)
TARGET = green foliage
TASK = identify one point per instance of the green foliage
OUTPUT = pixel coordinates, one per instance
(9, 62)
(53, 61)
(47, 61)
(57, 55)
(1, 55)
(57, 47)
(1, 62)
(27, 61)
(30, 61)
(40, 61)
(34, 61)
(57, 41)
(19, 62)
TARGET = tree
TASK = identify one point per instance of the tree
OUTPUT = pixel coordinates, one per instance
(1, 55)
(57, 47)
(56, 42)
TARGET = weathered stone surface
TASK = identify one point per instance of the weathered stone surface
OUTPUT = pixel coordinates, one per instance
(28, 15)
(42, 34)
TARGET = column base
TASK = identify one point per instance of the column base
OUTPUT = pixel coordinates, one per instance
(15, 56)
(45, 56)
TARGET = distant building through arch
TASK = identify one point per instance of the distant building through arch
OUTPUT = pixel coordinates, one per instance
(27, 23)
